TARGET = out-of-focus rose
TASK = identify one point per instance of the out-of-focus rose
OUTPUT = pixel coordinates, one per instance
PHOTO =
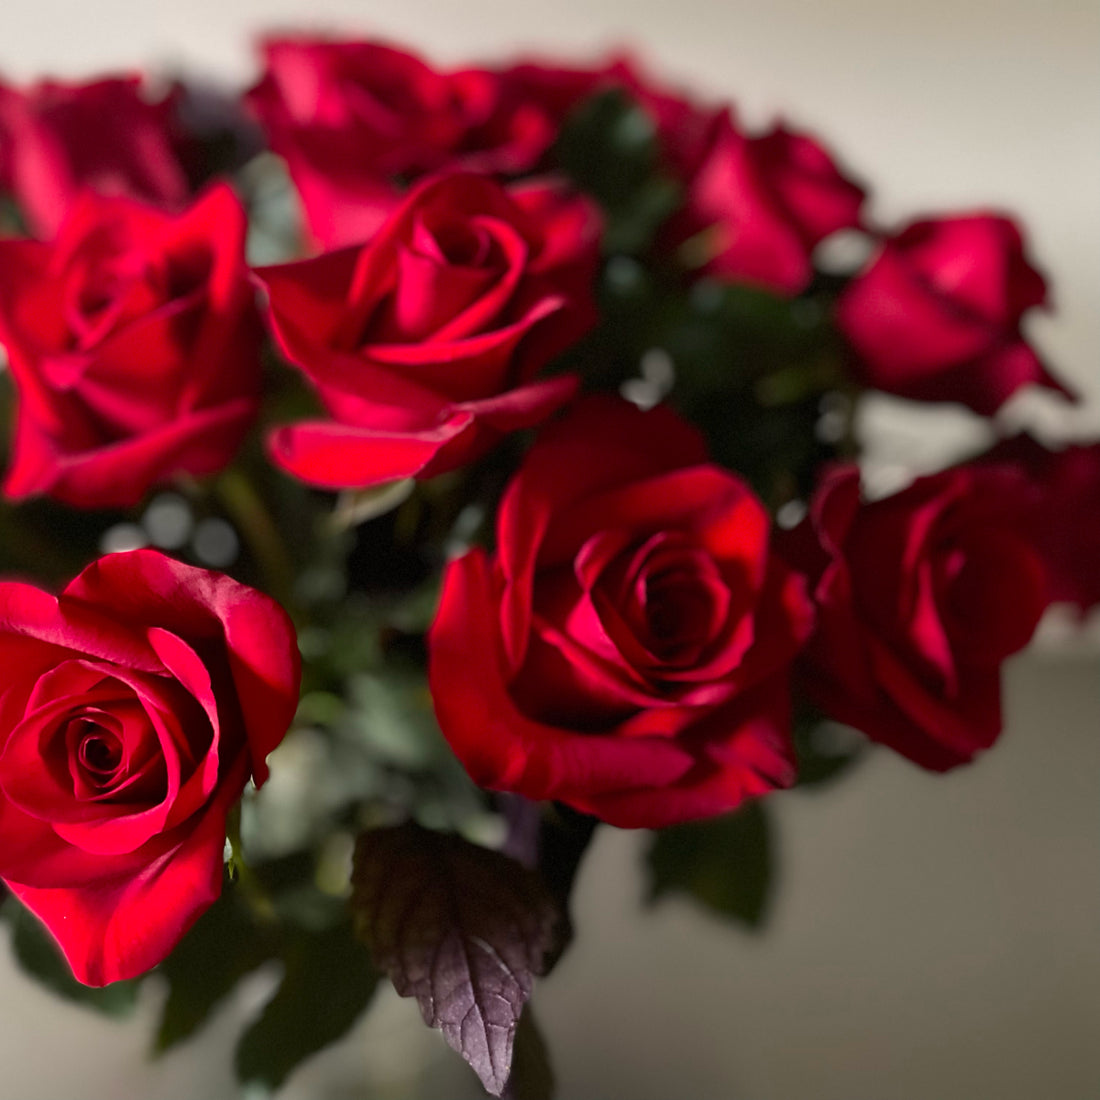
(936, 316)
(424, 343)
(920, 597)
(133, 341)
(626, 648)
(57, 139)
(352, 119)
(1062, 505)
(134, 708)
(762, 204)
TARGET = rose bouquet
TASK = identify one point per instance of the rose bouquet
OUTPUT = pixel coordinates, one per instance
(481, 446)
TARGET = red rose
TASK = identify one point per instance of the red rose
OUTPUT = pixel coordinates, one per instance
(353, 118)
(626, 648)
(133, 341)
(1062, 505)
(920, 597)
(106, 135)
(134, 708)
(936, 315)
(765, 203)
(424, 342)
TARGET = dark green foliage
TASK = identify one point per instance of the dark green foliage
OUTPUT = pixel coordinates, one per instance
(608, 147)
(327, 983)
(725, 864)
(223, 946)
(532, 1076)
(824, 749)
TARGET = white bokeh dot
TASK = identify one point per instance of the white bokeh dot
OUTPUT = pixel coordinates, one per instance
(215, 543)
(168, 521)
(122, 536)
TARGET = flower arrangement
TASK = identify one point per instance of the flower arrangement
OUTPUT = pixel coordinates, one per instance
(492, 431)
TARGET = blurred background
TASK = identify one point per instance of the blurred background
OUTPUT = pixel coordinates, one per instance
(932, 938)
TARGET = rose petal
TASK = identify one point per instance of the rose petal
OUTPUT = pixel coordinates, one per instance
(119, 475)
(339, 456)
(112, 929)
(501, 747)
(741, 750)
(260, 645)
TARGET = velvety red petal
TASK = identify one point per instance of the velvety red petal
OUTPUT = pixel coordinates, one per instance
(27, 612)
(603, 442)
(259, 638)
(497, 743)
(121, 927)
(902, 329)
(338, 456)
(750, 240)
(307, 300)
(741, 751)
(733, 522)
(119, 475)
(814, 195)
(524, 406)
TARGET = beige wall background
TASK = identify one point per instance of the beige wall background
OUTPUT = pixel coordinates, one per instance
(934, 938)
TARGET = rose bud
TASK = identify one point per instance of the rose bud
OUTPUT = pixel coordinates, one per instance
(626, 648)
(763, 204)
(920, 597)
(424, 343)
(133, 341)
(105, 135)
(351, 119)
(136, 705)
(936, 316)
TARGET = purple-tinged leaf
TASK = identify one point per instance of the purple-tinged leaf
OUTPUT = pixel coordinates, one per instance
(462, 929)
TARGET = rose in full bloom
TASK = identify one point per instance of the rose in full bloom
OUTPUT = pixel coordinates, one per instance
(133, 341)
(424, 343)
(351, 119)
(763, 203)
(936, 315)
(920, 597)
(134, 708)
(107, 135)
(626, 648)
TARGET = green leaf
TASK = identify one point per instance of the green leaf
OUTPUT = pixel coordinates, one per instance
(327, 983)
(12, 222)
(725, 864)
(641, 215)
(608, 146)
(393, 714)
(825, 749)
(220, 949)
(40, 958)
(274, 223)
